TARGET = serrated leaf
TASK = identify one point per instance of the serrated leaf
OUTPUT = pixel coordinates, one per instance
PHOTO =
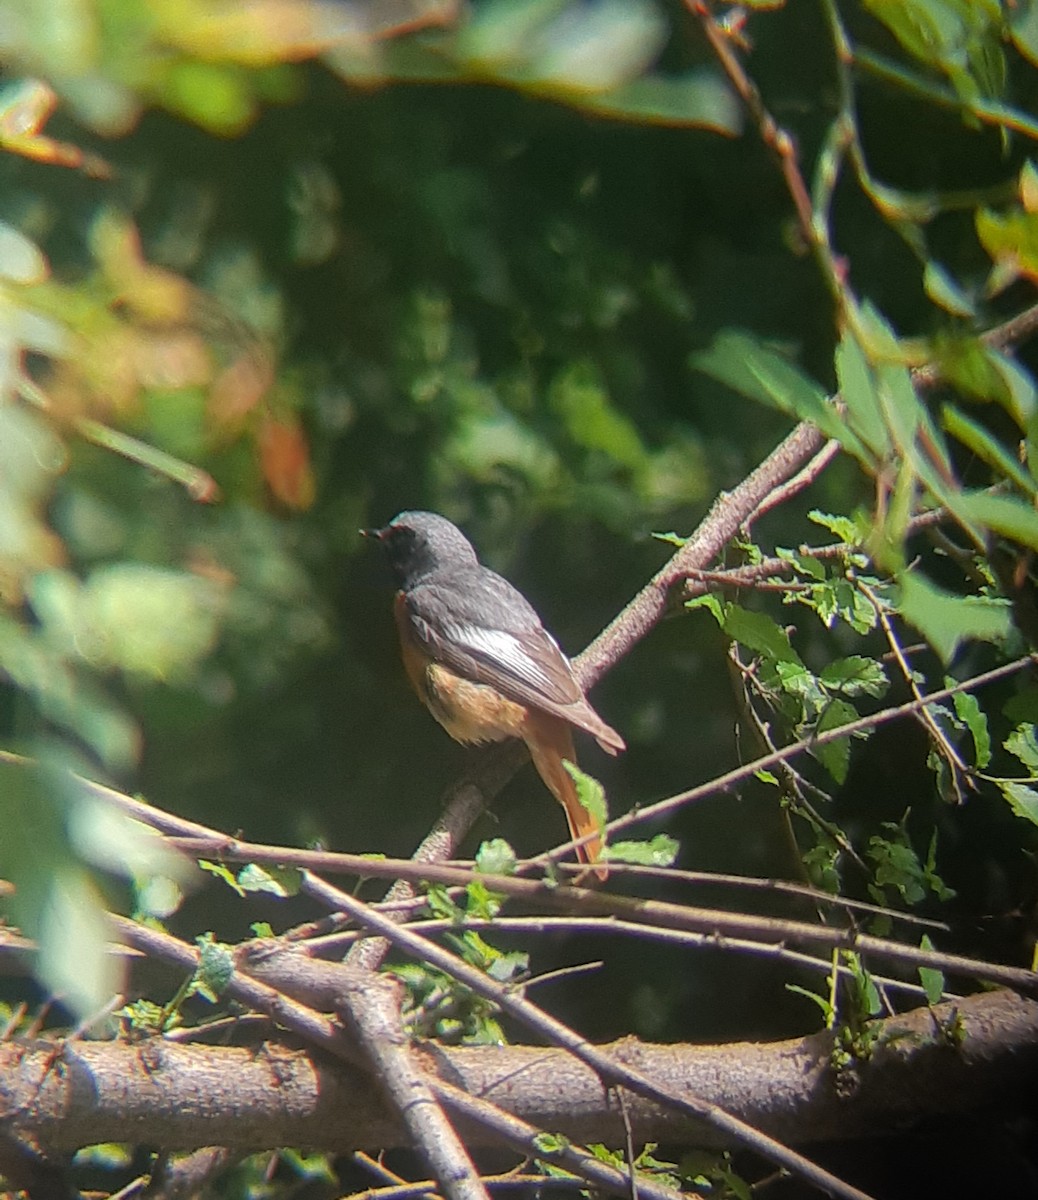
(713, 604)
(1023, 800)
(275, 881)
(805, 564)
(506, 968)
(1022, 743)
(495, 857)
(550, 1143)
(590, 793)
(846, 529)
(856, 676)
(759, 633)
(835, 756)
(969, 712)
(660, 851)
(797, 681)
(215, 966)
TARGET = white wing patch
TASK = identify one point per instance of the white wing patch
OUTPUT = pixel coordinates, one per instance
(506, 650)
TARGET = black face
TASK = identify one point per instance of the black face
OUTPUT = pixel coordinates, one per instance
(417, 543)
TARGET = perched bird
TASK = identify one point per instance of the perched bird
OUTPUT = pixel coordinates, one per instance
(482, 662)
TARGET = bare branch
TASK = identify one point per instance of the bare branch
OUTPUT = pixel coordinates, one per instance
(253, 1098)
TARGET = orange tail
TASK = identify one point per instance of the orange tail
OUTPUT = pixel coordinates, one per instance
(550, 740)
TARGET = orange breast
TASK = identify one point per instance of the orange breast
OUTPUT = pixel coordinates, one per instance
(470, 712)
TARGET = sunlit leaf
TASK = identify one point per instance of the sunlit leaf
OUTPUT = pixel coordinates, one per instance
(659, 851)
(943, 290)
(1022, 743)
(1013, 517)
(855, 676)
(1022, 799)
(590, 793)
(969, 712)
(21, 260)
(747, 366)
(760, 633)
(835, 756)
(858, 392)
(697, 98)
(495, 857)
(1011, 239)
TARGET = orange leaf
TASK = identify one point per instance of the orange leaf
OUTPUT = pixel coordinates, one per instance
(285, 456)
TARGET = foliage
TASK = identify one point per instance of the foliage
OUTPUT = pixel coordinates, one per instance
(272, 271)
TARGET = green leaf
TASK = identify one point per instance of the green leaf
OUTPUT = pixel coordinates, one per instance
(714, 605)
(1012, 517)
(21, 260)
(221, 871)
(578, 395)
(931, 979)
(57, 836)
(1022, 743)
(750, 368)
(946, 620)
(141, 619)
(660, 851)
(835, 756)
(846, 529)
(590, 793)
(943, 290)
(1023, 800)
(215, 966)
(858, 392)
(550, 1143)
(797, 681)
(856, 676)
(697, 98)
(670, 539)
(276, 881)
(506, 968)
(759, 633)
(976, 438)
(495, 857)
(309, 1166)
(969, 712)
(823, 1002)
(1011, 239)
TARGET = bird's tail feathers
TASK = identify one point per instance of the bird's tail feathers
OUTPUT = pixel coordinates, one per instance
(550, 742)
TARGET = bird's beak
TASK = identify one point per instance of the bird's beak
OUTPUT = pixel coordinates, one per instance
(377, 534)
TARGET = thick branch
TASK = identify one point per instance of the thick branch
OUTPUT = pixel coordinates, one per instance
(190, 1095)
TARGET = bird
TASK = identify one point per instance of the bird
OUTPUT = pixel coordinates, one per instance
(478, 656)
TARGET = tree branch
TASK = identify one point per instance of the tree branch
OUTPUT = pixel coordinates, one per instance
(254, 1098)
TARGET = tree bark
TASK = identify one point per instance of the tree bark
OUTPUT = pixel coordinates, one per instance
(183, 1096)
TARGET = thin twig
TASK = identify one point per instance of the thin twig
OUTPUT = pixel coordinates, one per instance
(609, 1069)
(957, 768)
